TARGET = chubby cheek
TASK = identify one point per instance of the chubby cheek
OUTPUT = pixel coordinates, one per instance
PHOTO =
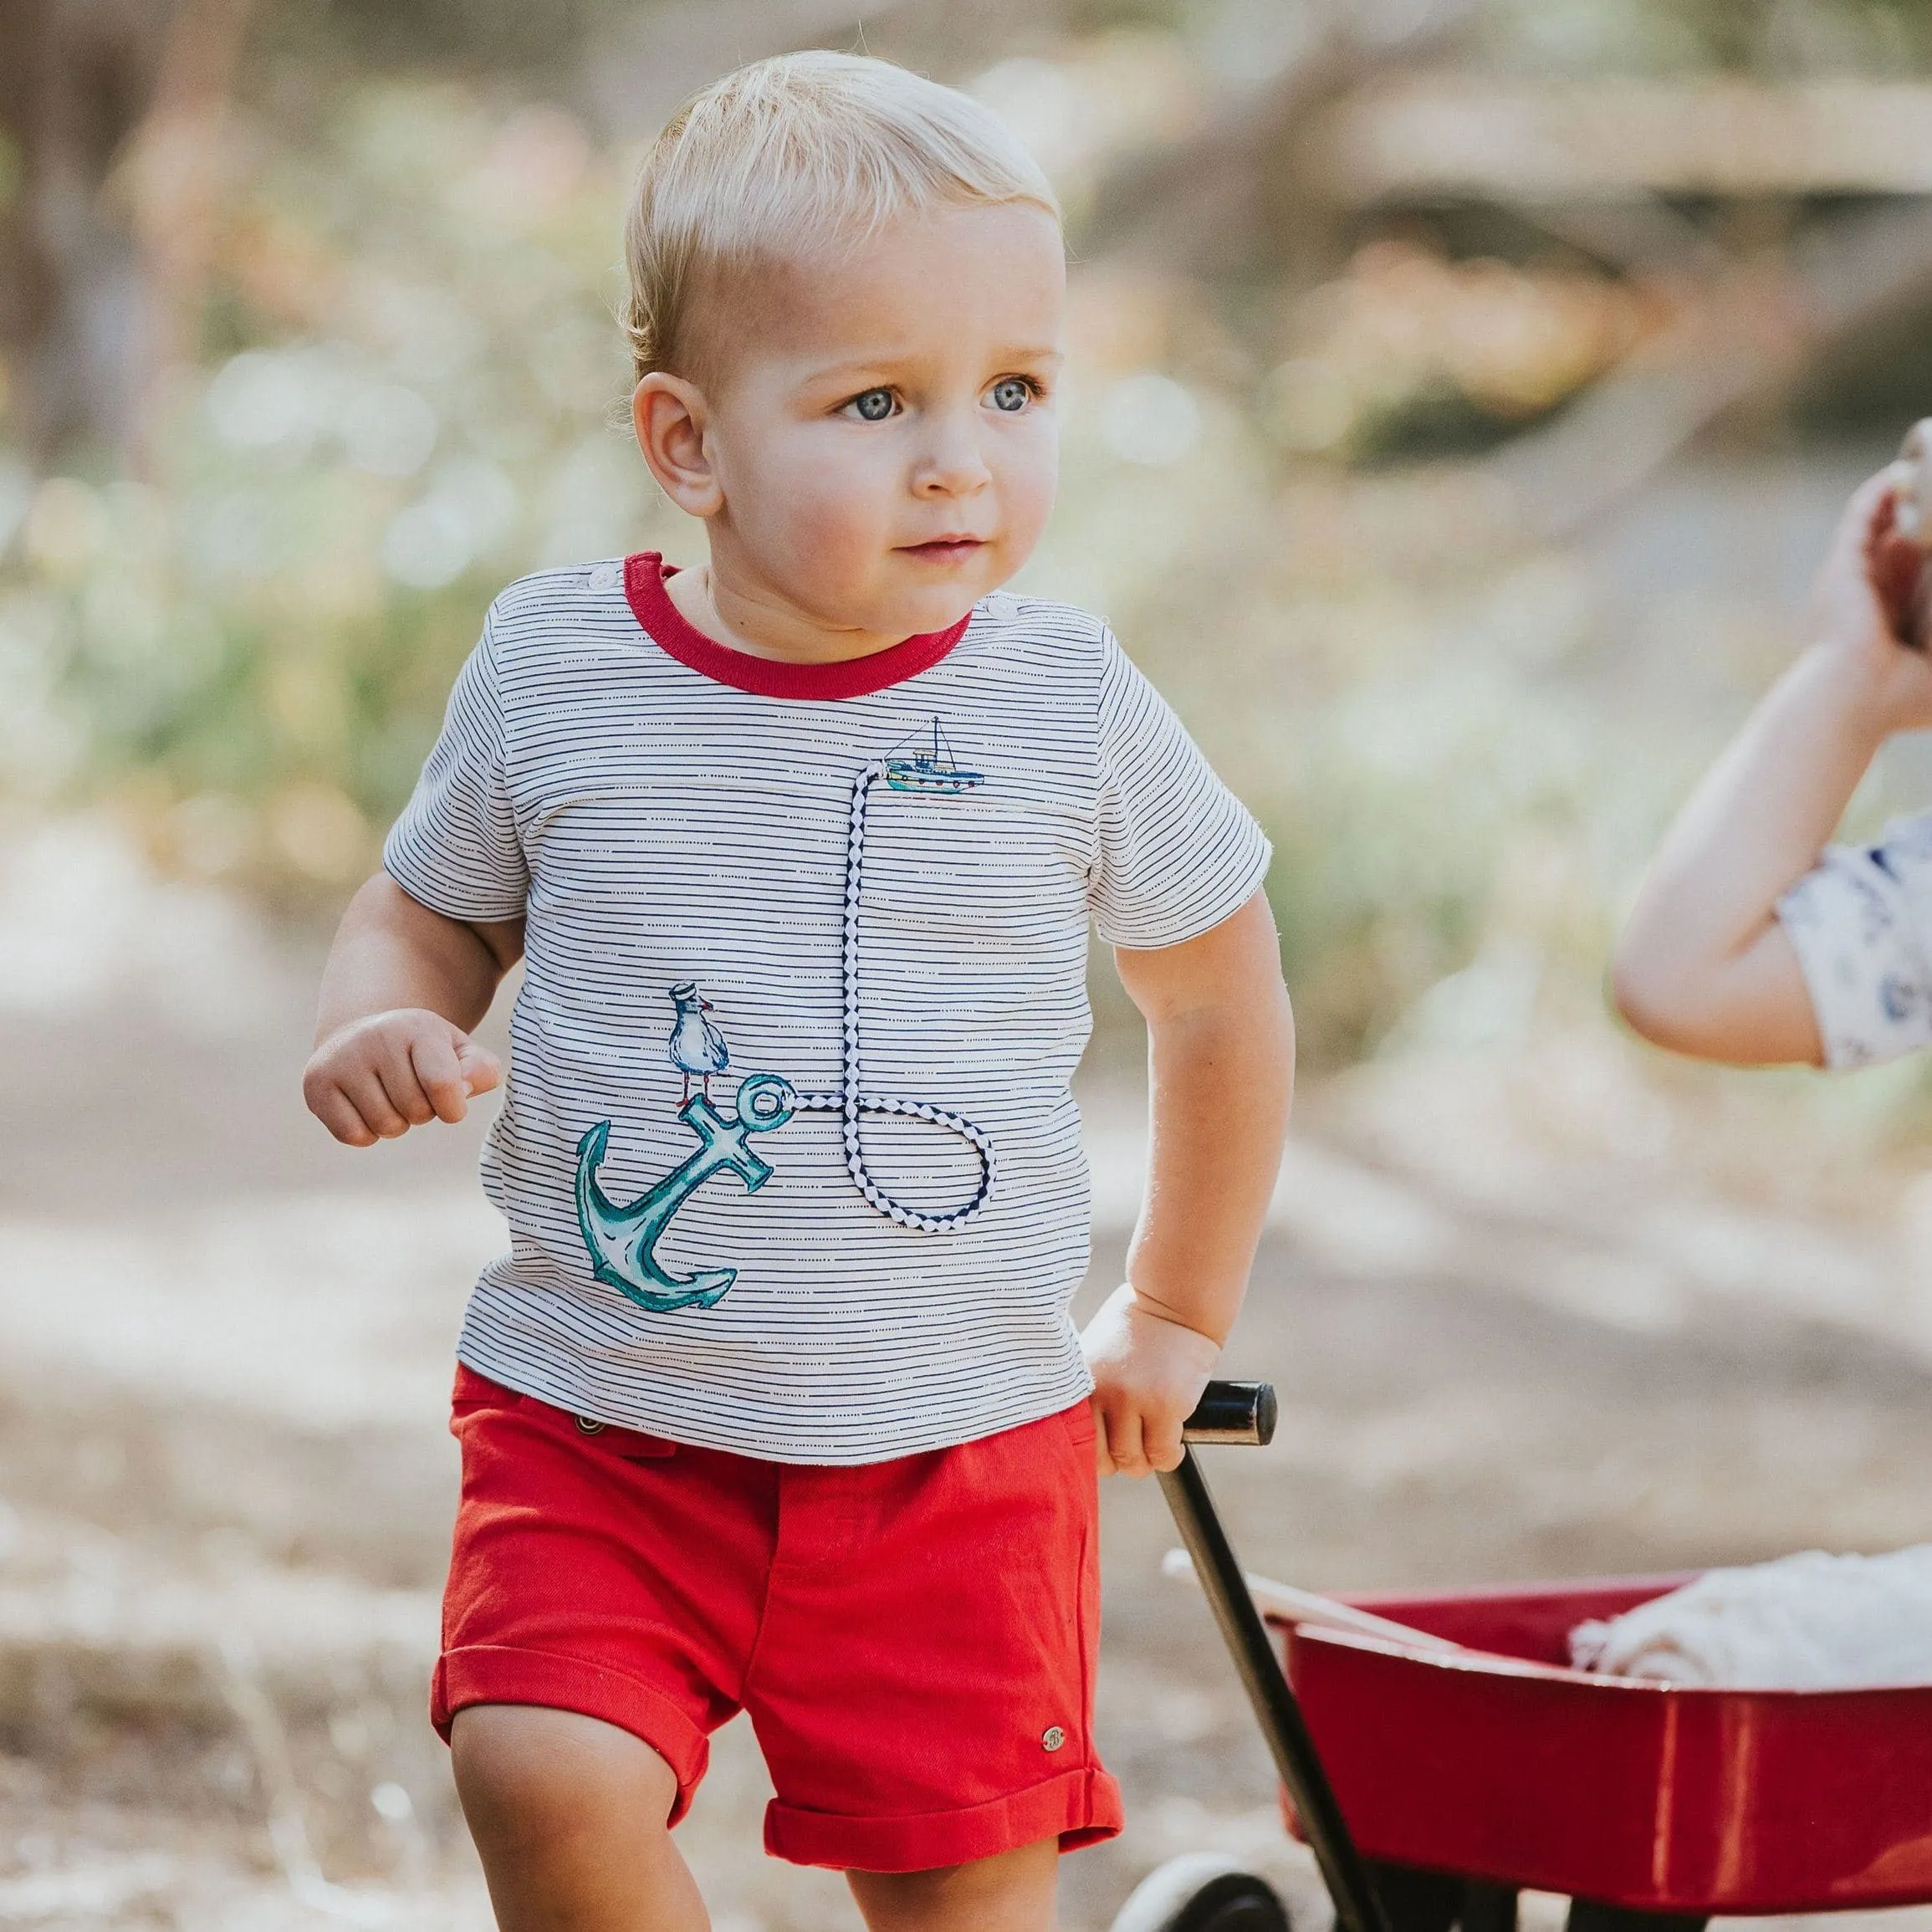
(1026, 474)
(818, 507)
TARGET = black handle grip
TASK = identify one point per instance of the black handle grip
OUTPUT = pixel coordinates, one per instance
(1233, 1412)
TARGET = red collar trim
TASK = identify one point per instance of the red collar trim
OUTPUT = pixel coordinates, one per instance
(644, 575)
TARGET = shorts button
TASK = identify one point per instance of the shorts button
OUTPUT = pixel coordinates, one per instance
(1052, 1738)
(589, 1427)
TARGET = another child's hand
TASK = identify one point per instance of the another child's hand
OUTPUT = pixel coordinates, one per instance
(378, 1077)
(1861, 612)
(1148, 1372)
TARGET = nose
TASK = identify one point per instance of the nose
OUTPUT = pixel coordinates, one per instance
(951, 464)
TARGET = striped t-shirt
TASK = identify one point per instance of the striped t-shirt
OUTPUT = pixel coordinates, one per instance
(788, 1152)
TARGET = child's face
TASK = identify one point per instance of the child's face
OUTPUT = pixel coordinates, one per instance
(879, 436)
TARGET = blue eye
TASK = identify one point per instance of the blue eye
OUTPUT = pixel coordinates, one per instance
(874, 405)
(1012, 393)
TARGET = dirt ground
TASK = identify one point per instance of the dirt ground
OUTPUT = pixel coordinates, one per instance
(1508, 1345)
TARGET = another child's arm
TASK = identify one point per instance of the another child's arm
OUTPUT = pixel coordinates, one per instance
(1221, 1054)
(1705, 966)
(402, 989)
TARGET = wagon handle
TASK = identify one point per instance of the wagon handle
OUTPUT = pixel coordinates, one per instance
(1233, 1412)
(1243, 1412)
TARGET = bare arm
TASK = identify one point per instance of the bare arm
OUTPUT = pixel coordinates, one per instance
(401, 990)
(1221, 1052)
(1221, 1061)
(1703, 966)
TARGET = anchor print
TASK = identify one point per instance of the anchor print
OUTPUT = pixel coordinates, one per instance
(623, 1240)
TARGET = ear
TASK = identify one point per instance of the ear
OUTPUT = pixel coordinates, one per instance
(669, 414)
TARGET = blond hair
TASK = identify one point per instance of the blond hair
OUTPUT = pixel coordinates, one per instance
(789, 154)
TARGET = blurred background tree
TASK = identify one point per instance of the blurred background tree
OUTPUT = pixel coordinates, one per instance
(1460, 388)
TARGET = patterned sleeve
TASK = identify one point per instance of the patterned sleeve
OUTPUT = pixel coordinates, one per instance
(455, 848)
(1177, 851)
(1862, 925)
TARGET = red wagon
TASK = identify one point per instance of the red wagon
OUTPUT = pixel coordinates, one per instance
(1433, 1785)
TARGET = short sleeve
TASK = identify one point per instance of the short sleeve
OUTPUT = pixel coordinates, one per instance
(1177, 851)
(1861, 924)
(455, 848)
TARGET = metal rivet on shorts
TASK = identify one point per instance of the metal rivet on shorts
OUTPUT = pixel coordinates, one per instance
(1052, 1738)
(589, 1427)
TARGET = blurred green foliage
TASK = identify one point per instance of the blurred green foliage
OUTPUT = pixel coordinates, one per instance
(411, 392)
(500, 38)
(1769, 37)
(411, 389)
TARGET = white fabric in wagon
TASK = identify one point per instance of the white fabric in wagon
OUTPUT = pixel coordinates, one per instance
(1812, 1622)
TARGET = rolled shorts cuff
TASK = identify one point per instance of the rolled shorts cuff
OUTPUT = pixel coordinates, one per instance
(1081, 1807)
(501, 1674)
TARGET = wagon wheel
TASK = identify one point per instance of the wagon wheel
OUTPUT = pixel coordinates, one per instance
(1586, 1915)
(1198, 1892)
(1414, 1900)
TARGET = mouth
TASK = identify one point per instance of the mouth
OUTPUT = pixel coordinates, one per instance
(948, 549)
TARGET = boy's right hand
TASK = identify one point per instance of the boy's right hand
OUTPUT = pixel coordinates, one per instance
(1862, 613)
(377, 1078)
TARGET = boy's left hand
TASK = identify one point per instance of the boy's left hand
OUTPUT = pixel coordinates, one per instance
(1148, 1372)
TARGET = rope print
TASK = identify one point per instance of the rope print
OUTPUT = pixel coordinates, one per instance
(850, 1102)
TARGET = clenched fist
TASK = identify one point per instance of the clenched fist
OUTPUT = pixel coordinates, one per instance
(377, 1078)
(1148, 1371)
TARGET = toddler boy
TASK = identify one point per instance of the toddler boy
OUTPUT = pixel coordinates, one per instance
(774, 1403)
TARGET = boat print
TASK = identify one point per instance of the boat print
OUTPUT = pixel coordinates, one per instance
(931, 767)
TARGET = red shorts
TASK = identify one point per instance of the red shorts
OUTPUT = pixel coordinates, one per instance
(913, 1639)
